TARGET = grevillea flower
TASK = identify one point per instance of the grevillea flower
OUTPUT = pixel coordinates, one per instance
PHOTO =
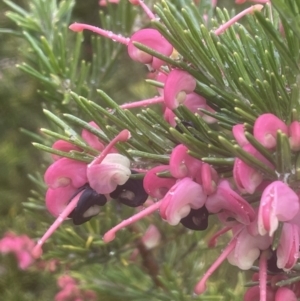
(156, 186)
(148, 37)
(112, 171)
(285, 294)
(63, 146)
(71, 291)
(178, 84)
(184, 165)
(180, 199)
(92, 140)
(278, 203)
(131, 193)
(288, 248)
(239, 135)
(265, 129)
(247, 248)
(253, 294)
(193, 102)
(20, 246)
(229, 205)
(294, 135)
(246, 177)
(64, 172)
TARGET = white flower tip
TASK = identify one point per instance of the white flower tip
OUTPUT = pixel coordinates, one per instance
(257, 7)
(109, 236)
(76, 27)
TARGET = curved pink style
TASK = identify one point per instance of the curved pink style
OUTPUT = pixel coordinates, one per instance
(178, 84)
(200, 288)
(182, 164)
(180, 199)
(278, 203)
(37, 250)
(155, 186)
(265, 129)
(151, 38)
(233, 20)
(65, 172)
(230, 205)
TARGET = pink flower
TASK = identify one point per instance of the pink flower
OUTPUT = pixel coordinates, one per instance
(246, 177)
(253, 294)
(155, 186)
(178, 84)
(182, 164)
(112, 171)
(248, 248)
(265, 129)
(193, 102)
(229, 205)
(180, 199)
(239, 135)
(148, 37)
(64, 172)
(70, 291)
(278, 203)
(288, 248)
(152, 39)
(294, 134)
(20, 246)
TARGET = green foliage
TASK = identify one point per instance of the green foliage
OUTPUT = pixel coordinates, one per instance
(250, 69)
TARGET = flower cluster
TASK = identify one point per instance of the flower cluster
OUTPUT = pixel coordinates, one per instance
(258, 202)
(70, 290)
(20, 246)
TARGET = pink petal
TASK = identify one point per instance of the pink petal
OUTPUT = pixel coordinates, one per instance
(239, 134)
(247, 249)
(278, 203)
(265, 129)
(182, 164)
(64, 172)
(63, 146)
(285, 294)
(180, 199)
(91, 139)
(229, 204)
(153, 39)
(178, 84)
(294, 133)
(57, 199)
(155, 186)
(112, 171)
(246, 177)
(288, 248)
